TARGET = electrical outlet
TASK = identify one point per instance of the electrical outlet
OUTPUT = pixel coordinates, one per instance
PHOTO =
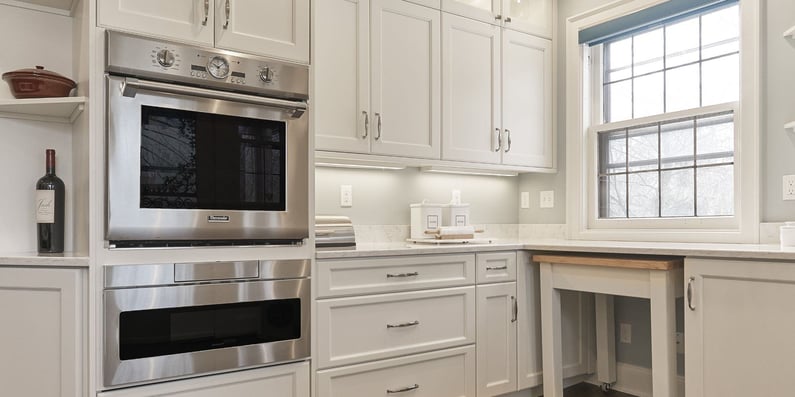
(680, 343)
(625, 333)
(456, 197)
(525, 200)
(789, 187)
(346, 196)
(547, 199)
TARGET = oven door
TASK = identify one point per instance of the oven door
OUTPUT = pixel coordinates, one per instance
(157, 333)
(192, 164)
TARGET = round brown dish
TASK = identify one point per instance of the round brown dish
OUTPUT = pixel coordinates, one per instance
(38, 83)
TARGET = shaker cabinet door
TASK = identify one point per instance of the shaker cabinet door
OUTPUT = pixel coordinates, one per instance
(189, 21)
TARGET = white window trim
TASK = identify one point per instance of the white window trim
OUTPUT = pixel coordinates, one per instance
(581, 162)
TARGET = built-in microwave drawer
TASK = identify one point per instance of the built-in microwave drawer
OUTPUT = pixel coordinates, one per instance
(393, 274)
(446, 373)
(356, 330)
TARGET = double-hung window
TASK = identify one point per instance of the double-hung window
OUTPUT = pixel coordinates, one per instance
(660, 127)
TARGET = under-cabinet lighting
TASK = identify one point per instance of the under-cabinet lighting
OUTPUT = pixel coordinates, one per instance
(466, 171)
(367, 165)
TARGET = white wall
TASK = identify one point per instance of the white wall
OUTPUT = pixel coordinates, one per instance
(31, 38)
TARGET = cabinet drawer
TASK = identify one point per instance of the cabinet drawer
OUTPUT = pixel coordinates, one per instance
(496, 267)
(446, 373)
(394, 274)
(355, 330)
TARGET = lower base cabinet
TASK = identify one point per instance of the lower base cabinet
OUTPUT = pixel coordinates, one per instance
(288, 380)
(444, 373)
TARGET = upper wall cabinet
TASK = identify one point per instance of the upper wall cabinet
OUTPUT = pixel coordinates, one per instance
(529, 16)
(277, 28)
(377, 78)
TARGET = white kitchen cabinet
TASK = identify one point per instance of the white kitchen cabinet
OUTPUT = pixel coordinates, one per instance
(497, 95)
(529, 16)
(496, 267)
(496, 338)
(276, 28)
(288, 380)
(383, 97)
(738, 328)
(43, 335)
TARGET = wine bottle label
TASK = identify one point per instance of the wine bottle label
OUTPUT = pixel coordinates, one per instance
(45, 206)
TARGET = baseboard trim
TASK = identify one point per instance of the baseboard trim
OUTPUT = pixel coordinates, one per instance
(635, 380)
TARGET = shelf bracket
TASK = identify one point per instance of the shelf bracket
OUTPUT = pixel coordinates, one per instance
(790, 33)
(790, 127)
(76, 112)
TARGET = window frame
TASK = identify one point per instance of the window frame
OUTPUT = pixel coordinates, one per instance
(584, 113)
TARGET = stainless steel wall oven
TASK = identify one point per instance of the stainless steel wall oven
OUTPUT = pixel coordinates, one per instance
(204, 146)
(166, 321)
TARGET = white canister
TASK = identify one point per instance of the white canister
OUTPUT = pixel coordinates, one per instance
(425, 216)
(455, 215)
(788, 234)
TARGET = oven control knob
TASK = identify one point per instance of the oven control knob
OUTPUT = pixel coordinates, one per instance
(266, 74)
(165, 58)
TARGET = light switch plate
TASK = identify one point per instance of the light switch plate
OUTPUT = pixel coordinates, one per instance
(525, 200)
(625, 333)
(547, 199)
(346, 196)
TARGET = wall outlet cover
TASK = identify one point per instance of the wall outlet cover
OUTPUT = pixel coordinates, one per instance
(346, 196)
(788, 187)
(547, 199)
(625, 332)
(525, 198)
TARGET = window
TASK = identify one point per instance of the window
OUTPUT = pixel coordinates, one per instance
(655, 149)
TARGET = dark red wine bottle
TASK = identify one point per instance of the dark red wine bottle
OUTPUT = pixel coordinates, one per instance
(50, 209)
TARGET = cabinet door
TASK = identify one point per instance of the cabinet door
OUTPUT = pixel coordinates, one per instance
(738, 328)
(527, 100)
(529, 16)
(471, 83)
(183, 20)
(496, 339)
(482, 10)
(406, 81)
(287, 380)
(42, 336)
(343, 121)
(576, 311)
(274, 28)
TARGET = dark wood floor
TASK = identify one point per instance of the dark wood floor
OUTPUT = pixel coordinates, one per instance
(589, 390)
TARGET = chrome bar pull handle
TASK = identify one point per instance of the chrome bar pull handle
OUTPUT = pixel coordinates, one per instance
(206, 12)
(403, 389)
(227, 9)
(508, 136)
(366, 124)
(515, 315)
(378, 135)
(690, 293)
(401, 275)
(403, 325)
(504, 267)
(499, 139)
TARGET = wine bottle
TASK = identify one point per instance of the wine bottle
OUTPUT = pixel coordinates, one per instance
(50, 209)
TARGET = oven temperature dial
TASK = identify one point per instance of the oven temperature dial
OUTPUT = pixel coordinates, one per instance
(266, 74)
(218, 67)
(165, 58)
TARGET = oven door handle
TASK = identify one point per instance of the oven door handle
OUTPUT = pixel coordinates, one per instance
(130, 87)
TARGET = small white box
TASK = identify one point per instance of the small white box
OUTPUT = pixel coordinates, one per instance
(788, 234)
(424, 217)
(455, 215)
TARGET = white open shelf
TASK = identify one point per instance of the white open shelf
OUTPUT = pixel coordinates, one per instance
(790, 33)
(59, 110)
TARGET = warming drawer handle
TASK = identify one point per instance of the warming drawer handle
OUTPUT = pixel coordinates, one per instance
(403, 325)
(403, 389)
(130, 86)
(401, 275)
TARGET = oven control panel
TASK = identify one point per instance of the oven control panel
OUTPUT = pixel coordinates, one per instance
(173, 62)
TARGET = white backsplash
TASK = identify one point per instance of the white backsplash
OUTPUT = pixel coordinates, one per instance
(376, 234)
(543, 231)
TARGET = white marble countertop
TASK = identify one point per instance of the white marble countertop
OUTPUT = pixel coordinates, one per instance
(735, 251)
(42, 260)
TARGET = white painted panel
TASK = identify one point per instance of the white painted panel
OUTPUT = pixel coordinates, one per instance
(180, 20)
(496, 342)
(341, 95)
(406, 81)
(471, 90)
(482, 10)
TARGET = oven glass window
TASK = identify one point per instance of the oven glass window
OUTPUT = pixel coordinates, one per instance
(150, 333)
(211, 161)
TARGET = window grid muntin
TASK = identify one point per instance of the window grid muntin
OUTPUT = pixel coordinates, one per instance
(602, 176)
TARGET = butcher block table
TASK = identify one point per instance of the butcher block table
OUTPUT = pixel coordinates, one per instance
(657, 278)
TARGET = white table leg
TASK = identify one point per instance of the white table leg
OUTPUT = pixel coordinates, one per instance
(552, 348)
(605, 339)
(663, 333)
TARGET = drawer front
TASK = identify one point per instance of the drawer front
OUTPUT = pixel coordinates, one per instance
(446, 373)
(361, 329)
(496, 267)
(394, 274)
